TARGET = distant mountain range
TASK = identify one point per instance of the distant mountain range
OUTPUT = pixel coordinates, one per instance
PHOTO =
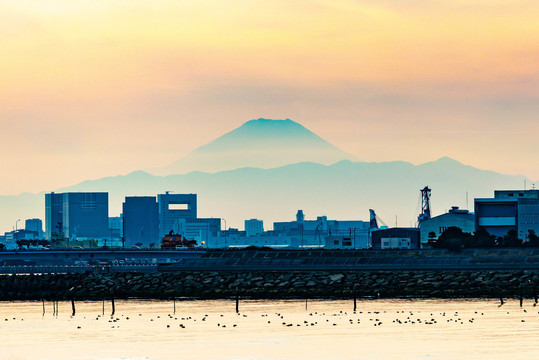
(343, 191)
(268, 169)
(261, 143)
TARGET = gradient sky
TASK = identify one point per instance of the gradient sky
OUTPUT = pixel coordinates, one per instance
(98, 88)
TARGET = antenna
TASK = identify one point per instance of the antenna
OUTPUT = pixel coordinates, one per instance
(425, 205)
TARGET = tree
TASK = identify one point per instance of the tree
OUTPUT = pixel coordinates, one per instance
(453, 239)
(482, 239)
(510, 239)
(533, 239)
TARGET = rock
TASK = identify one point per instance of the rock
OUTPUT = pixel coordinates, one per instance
(336, 277)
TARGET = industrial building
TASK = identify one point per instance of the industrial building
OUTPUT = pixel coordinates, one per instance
(395, 238)
(509, 210)
(313, 233)
(173, 207)
(198, 229)
(455, 217)
(76, 215)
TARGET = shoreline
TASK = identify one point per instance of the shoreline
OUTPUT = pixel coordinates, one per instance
(206, 285)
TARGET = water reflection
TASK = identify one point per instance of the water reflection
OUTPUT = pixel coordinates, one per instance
(379, 329)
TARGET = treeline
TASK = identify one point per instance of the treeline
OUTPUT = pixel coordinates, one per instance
(453, 238)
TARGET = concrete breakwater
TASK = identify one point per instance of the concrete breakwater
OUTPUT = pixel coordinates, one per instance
(268, 285)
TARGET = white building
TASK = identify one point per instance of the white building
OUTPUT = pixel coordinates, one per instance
(455, 217)
(254, 227)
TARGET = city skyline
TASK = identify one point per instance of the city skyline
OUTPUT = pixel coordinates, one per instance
(99, 89)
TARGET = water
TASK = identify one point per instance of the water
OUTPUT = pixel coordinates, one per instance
(381, 329)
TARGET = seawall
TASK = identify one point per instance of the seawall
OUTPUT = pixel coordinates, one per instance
(271, 284)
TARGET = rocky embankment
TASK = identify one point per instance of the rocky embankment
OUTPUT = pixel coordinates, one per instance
(267, 285)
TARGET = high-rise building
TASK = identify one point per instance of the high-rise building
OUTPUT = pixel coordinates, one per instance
(34, 225)
(254, 227)
(173, 207)
(141, 220)
(77, 214)
(54, 215)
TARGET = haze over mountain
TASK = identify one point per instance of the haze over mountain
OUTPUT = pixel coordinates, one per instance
(261, 143)
(325, 185)
(344, 190)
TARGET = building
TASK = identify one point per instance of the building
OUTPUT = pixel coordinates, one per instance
(509, 210)
(54, 215)
(313, 233)
(395, 238)
(173, 207)
(455, 217)
(115, 231)
(254, 227)
(77, 215)
(10, 238)
(199, 229)
(141, 221)
(35, 225)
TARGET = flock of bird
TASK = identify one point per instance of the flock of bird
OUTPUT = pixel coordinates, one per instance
(310, 319)
(295, 319)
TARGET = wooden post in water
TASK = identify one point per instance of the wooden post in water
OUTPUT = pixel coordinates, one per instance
(521, 297)
(43, 301)
(174, 306)
(112, 298)
(355, 297)
(237, 301)
(535, 294)
(73, 305)
(103, 310)
(305, 304)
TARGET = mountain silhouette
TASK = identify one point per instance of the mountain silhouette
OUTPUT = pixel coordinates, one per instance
(261, 143)
(345, 190)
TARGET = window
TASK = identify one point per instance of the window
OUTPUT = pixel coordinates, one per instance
(178, 206)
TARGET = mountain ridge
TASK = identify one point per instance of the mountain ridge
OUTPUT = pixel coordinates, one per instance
(342, 190)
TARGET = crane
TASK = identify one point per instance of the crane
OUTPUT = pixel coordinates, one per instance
(375, 219)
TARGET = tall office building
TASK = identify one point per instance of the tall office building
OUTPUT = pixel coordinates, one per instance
(53, 215)
(77, 215)
(173, 207)
(141, 220)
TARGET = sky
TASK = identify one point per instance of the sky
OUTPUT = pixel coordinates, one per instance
(99, 88)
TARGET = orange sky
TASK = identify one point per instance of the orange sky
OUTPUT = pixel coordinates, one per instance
(97, 88)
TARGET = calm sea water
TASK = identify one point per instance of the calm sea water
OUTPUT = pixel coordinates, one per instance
(380, 329)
